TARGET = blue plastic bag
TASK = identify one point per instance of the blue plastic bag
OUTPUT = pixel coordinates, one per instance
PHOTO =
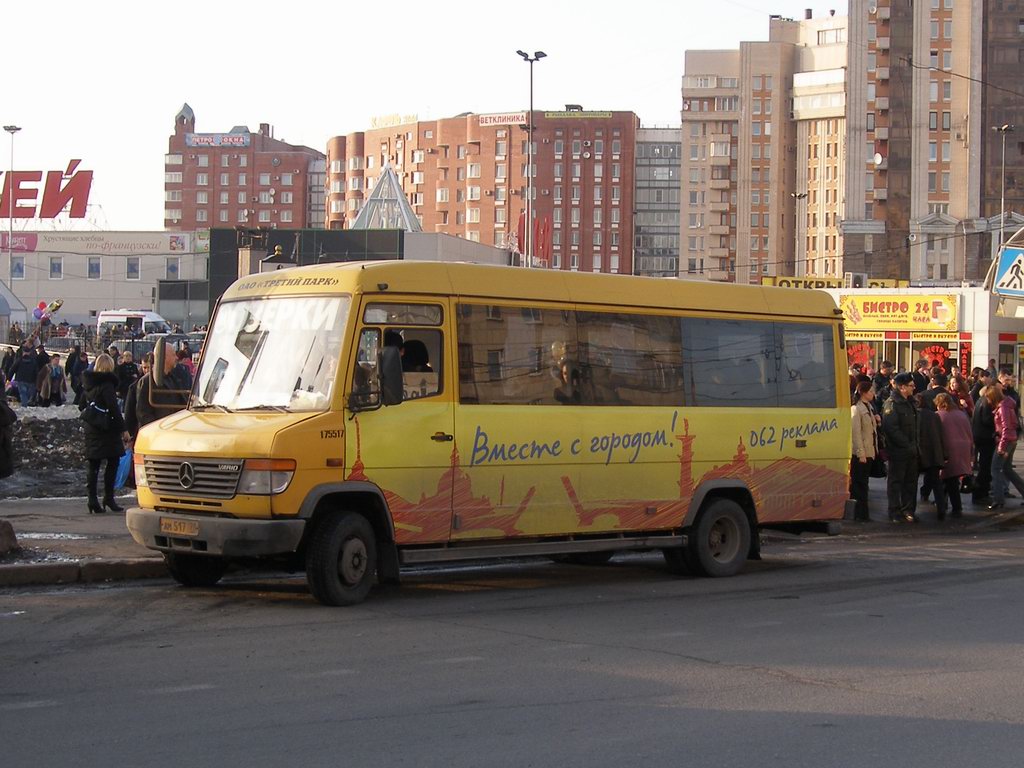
(123, 468)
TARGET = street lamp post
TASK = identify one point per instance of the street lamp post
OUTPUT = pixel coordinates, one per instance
(11, 129)
(537, 56)
(1002, 130)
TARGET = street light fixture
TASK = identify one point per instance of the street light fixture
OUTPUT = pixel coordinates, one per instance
(11, 129)
(537, 56)
(1002, 130)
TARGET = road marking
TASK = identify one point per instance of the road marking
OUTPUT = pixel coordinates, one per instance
(183, 688)
(326, 673)
(12, 613)
(37, 704)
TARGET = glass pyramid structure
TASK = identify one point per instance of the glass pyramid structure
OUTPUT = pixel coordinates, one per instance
(387, 206)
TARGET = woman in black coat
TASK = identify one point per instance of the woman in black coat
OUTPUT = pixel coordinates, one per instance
(100, 387)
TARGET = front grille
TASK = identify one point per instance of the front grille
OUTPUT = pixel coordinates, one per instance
(210, 478)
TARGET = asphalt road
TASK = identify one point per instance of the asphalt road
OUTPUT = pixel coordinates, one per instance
(853, 652)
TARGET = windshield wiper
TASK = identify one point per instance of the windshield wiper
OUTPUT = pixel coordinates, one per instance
(213, 406)
(280, 408)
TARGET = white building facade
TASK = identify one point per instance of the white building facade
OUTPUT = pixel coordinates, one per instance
(93, 271)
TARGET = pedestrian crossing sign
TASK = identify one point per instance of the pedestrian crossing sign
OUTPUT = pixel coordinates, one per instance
(1010, 273)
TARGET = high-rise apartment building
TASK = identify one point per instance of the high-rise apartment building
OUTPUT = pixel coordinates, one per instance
(239, 178)
(819, 113)
(1001, 59)
(467, 176)
(916, 128)
(656, 202)
(879, 145)
(748, 116)
(709, 204)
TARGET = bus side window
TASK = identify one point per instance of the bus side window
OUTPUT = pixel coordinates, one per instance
(422, 362)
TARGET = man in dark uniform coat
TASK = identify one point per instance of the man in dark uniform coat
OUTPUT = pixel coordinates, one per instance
(899, 424)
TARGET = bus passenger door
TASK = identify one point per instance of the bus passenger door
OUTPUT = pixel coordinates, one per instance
(406, 450)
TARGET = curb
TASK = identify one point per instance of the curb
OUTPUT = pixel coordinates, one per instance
(84, 571)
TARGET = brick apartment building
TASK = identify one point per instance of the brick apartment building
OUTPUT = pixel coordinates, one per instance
(239, 178)
(467, 176)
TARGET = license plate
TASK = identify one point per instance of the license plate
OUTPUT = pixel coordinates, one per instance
(179, 527)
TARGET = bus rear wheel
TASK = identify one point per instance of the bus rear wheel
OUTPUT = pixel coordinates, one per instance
(194, 570)
(341, 560)
(719, 542)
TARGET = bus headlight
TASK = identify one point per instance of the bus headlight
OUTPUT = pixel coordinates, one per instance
(265, 477)
(140, 470)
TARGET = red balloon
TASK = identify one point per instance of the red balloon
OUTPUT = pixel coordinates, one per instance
(41, 305)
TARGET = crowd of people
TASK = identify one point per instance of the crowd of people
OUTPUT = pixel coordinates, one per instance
(955, 434)
(116, 398)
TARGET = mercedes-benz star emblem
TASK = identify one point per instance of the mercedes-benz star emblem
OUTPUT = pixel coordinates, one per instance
(186, 475)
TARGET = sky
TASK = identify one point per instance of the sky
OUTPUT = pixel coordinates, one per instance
(102, 81)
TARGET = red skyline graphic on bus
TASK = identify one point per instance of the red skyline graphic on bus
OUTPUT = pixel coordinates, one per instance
(788, 489)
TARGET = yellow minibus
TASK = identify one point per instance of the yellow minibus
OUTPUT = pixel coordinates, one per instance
(351, 419)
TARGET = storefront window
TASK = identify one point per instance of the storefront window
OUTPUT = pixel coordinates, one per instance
(940, 353)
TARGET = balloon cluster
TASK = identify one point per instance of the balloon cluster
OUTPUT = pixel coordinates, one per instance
(43, 311)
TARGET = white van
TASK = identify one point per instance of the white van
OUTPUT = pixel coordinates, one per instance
(113, 324)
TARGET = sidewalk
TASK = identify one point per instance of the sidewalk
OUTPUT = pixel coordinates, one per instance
(63, 544)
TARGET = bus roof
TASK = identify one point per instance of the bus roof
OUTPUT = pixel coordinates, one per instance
(517, 283)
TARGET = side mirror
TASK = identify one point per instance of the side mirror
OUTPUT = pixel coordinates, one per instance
(159, 355)
(391, 383)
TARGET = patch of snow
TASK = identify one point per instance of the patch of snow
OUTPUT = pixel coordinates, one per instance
(67, 411)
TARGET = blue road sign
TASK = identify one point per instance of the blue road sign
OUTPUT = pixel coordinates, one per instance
(1010, 273)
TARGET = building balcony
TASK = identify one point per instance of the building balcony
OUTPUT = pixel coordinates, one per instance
(881, 73)
(883, 13)
(882, 133)
(882, 43)
(719, 207)
(718, 184)
(881, 194)
(720, 159)
(719, 275)
(719, 229)
(717, 253)
(882, 103)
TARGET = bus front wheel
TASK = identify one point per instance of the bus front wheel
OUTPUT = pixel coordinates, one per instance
(194, 570)
(342, 560)
(719, 542)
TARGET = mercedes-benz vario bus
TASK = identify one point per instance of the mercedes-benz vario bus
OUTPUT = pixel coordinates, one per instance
(352, 419)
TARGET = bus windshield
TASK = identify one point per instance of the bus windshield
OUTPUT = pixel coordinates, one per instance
(272, 354)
